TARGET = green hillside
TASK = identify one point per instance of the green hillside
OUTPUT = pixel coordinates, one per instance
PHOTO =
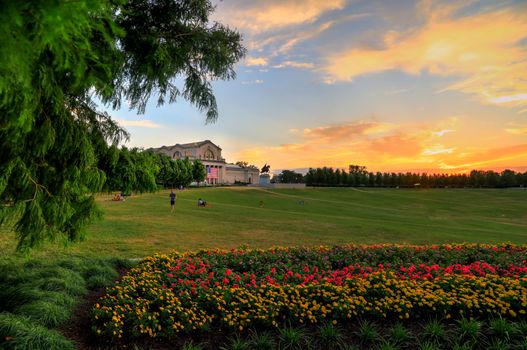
(144, 225)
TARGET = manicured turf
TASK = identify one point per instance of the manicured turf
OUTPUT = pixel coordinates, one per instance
(144, 225)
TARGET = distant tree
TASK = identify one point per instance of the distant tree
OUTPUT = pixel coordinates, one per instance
(242, 164)
(507, 178)
(337, 177)
(357, 169)
(288, 176)
(310, 177)
(198, 171)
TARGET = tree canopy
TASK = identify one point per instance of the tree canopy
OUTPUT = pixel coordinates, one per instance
(289, 177)
(55, 58)
(359, 176)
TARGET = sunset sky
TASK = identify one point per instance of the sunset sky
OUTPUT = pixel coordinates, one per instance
(393, 85)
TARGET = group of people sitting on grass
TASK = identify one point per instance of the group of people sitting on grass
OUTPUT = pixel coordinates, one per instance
(119, 197)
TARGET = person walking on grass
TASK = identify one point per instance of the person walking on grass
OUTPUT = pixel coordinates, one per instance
(172, 196)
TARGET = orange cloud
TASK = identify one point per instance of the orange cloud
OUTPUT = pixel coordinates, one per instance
(364, 142)
(294, 65)
(440, 133)
(343, 132)
(483, 48)
(262, 16)
(494, 157)
(517, 130)
(436, 149)
(385, 147)
(255, 61)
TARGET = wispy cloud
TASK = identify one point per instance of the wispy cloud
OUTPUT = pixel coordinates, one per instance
(437, 149)
(261, 16)
(491, 157)
(441, 133)
(251, 82)
(138, 123)
(344, 132)
(481, 48)
(256, 61)
(517, 130)
(369, 142)
(294, 64)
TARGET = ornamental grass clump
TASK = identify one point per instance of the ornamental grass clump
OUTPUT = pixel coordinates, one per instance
(469, 330)
(329, 335)
(434, 331)
(261, 340)
(398, 334)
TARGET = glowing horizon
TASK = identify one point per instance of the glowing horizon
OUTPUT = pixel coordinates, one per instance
(437, 86)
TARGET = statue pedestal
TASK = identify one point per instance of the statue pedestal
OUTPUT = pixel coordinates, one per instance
(265, 180)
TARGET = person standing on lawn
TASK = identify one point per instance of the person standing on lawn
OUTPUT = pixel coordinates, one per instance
(172, 200)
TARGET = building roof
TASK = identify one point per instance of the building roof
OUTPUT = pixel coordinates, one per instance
(190, 145)
(237, 167)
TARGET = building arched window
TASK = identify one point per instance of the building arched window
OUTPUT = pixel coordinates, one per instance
(177, 155)
(209, 154)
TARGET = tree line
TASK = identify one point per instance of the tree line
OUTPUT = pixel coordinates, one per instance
(135, 170)
(359, 176)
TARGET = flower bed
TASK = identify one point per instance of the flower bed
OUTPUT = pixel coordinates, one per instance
(167, 294)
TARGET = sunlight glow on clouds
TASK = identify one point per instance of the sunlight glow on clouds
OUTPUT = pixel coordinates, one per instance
(255, 61)
(445, 82)
(363, 142)
(138, 123)
(483, 48)
(442, 132)
(294, 64)
(382, 147)
(272, 14)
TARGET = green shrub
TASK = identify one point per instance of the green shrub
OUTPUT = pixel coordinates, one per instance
(45, 313)
(95, 282)
(522, 344)
(102, 270)
(292, 338)
(499, 344)
(502, 329)
(463, 346)
(388, 346)
(434, 331)
(329, 335)
(191, 346)
(58, 298)
(349, 347)
(18, 332)
(367, 332)
(122, 263)
(522, 327)
(237, 343)
(469, 330)
(427, 345)
(399, 334)
(262, 341)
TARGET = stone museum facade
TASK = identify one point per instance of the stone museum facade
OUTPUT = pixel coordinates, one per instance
(218, 170)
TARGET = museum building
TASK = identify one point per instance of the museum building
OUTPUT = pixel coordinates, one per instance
(218, 170)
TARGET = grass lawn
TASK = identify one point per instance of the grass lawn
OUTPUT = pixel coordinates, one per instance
(144, 225)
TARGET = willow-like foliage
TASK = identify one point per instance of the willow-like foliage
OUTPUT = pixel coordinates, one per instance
(54, 57)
